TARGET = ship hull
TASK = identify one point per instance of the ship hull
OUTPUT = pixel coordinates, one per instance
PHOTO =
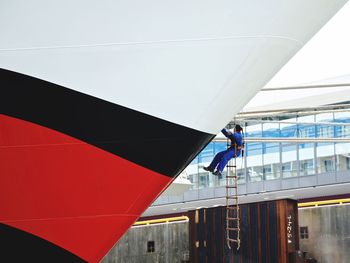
(103, 105)
(76, 169)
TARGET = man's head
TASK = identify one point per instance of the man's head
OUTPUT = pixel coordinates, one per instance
(238, 128)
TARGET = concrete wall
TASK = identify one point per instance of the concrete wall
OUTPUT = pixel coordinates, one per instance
(171, 244)
(329, 233)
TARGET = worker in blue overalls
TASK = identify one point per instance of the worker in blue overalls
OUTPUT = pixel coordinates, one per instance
(221, 159)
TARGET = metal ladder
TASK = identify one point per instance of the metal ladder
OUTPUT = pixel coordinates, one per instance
(232, 212)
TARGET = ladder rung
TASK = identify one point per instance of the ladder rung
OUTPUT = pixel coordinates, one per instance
(232, 228)
(232, 208)
(233, 240)
(232, 218)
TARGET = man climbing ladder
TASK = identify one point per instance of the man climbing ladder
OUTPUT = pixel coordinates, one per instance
(222, 158)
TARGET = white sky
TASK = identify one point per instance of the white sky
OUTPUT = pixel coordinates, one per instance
(325, 56)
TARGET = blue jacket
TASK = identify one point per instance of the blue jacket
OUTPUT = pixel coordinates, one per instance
(235, 138)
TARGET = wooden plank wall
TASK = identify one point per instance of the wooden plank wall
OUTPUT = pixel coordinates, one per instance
(269, 234)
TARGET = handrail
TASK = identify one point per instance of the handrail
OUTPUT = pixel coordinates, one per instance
(319, 86)
(326, 202)
(289, 140)
(161, 220)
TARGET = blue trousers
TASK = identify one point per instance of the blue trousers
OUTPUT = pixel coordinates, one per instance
(221, 159)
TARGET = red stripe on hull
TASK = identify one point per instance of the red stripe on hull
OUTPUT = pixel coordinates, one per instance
(68, 192)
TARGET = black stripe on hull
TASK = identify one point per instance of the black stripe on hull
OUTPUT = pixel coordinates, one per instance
(19, 246)
(151, 142)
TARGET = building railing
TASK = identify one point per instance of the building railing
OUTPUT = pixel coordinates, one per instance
(290, 148)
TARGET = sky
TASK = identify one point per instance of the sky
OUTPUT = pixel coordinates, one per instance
(326, 55)
(324, 59)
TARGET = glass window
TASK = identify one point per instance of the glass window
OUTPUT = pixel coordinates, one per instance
(329, 165)
(150, 246)
(325, 157)
(255, 173)
(203, 180)
(307, 159)
(324, 117)
(231, 171)
(253, 148)
(287, 169)
(241, 176)
(269, 172)
(304, 232)
(289, 129)
(307, 167)
(207, 154)
(342, 131)
(325, 131)
(255, 168)
(253, 130)
(289, 160)
(240, 170)
(220, 180)
(271, 130)
(219, 147)
(306, 130)
(271, 158)
(271, 148)
(192, 172)
(342, 151)
(253, 153)
(195, 160)
(342, 117)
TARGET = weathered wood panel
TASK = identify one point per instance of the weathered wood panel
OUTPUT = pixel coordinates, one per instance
(269, 234)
